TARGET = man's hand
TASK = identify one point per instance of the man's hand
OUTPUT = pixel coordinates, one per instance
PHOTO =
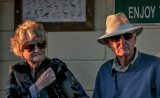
(45, 79)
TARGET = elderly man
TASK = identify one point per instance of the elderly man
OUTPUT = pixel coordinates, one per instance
(131, 74)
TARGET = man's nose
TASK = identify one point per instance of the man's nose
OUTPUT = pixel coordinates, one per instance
(121, 40)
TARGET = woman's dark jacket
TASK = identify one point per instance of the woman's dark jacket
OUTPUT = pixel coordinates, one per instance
(20, 81)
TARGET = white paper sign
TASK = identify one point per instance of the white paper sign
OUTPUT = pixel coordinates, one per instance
(54, 10)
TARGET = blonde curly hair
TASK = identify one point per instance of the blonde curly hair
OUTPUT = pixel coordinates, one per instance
(27, 31)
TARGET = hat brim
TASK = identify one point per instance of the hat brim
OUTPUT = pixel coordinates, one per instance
(137, 29)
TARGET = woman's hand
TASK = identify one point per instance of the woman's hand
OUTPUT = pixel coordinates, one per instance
(45, 79)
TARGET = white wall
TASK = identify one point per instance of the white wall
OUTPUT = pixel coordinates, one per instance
(79, 50)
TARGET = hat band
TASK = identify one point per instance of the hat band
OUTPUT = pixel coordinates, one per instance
(119, 29)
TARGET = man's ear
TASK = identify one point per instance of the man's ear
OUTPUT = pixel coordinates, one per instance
(135, 38)
(106, 40)
(108, 45)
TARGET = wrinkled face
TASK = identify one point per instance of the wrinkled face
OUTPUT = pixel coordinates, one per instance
(123, 45)
(34, 51)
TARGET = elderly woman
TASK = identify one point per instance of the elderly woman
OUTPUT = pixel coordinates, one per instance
(38, 76)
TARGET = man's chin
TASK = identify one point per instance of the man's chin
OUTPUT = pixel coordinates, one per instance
(123, 54)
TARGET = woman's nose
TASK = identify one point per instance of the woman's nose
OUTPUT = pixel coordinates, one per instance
(36, 49)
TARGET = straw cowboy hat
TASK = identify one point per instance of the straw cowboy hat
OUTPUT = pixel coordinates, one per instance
(118, 24)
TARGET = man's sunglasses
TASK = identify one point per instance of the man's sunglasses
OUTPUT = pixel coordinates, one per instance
(31, 47)
(126, 36)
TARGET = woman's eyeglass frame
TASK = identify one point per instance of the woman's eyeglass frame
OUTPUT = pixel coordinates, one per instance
(31, 47)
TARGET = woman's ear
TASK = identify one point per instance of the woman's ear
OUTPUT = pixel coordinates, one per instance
(22, 56)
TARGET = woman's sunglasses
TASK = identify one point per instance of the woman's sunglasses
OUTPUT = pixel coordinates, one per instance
(126, 36)
(31, 47)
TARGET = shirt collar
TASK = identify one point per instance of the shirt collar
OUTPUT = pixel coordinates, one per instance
(116, 66)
